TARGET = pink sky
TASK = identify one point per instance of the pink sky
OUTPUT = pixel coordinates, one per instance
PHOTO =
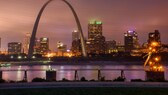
(17, 18)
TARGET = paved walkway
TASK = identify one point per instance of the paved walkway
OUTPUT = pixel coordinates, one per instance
(82, 84)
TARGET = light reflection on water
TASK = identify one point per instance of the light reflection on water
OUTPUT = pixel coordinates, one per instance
(88, 74)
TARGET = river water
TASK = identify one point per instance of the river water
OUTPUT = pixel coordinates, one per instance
(89, 74)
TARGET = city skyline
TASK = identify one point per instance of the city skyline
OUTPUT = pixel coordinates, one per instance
(17, 18)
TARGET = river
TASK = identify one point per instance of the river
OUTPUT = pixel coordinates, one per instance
(89, 74)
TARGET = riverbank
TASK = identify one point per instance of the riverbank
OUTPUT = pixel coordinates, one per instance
(100, 63)
(73, 63)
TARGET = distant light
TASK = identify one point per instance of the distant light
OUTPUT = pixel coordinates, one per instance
(130, 31)
(160, 67)
(95, 22)
(150, 63)
(50, 55)
(68, 50)
(156, 59)
(150, 48)
(98, 22)
(75, 30)
(19, 57)
(154, 50)
(33, 57)
(45, 39)
(154, 44)
(11, 57)
(154, 67)
(61, 45)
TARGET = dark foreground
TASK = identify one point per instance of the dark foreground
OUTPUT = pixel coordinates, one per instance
(85, 88)
(87, 91)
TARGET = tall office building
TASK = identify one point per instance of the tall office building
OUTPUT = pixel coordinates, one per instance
(76, 43)
(0, 42)
(131, 41)
(44, 45)
(61, 48)
(154, 36)
(96, 41)
(75, 35)
(14, 48)
(26, 43)
(37, 49)
(111, 46)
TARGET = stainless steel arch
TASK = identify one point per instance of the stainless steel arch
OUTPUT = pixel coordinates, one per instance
(33, 36)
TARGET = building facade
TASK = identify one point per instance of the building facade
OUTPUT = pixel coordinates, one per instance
(76, 44)
(96, 41)
(154, 37)
(131, 41)
(44, 45)
(61, 49)
(26, 43)
(110, 46)
(14, 48)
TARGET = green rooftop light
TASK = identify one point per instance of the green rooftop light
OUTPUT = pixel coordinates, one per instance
(95, 22)
(98, 22)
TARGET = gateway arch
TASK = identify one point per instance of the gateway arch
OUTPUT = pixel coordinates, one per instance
(33, 36)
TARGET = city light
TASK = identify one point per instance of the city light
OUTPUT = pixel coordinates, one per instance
(150, 63)
(154, 44)
(11, 57)
(156, 59)
(49, 55)
(33, 57)
(19, 57)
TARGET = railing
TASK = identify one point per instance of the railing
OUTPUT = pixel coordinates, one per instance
(51, 73)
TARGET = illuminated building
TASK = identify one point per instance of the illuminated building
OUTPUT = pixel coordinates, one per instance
(14, 48)
(120, 48)
(37, 49)
(154, 36)
(26, 43)
(96, 41)
(75, 35)
(111, 46)
(131, 41)
(155, 69)
(0, 42)
(76, 44)
(44, 45)
(61, 49)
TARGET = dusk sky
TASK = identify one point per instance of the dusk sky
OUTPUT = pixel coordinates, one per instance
(17, 18)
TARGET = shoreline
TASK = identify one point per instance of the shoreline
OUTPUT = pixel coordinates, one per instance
(100, 63)
(73, 63)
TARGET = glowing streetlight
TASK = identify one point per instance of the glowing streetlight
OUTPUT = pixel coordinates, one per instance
(154, 44)
(157, 59)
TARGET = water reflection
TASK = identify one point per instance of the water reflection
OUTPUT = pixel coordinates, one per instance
(62, 73)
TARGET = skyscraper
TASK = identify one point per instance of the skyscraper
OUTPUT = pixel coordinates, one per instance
(61, 48)
(154, 36)
(131, 41)
(111, 46)
(96, 41)
(76, 43)
(0, 42)
(36, 48)
(26, 43)
(14, 48)
(75, 35)
(44, 45)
